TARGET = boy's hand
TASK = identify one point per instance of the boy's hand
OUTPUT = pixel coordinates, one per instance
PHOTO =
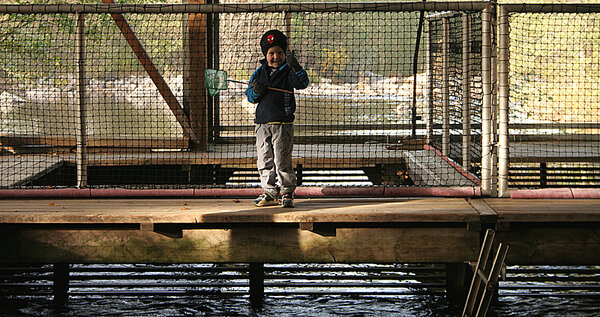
(258, 87)
(292, 61)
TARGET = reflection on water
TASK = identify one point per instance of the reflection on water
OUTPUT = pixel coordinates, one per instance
(325, 305)
(312, 290)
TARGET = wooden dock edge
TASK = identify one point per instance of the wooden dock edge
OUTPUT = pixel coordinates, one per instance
(412, 230)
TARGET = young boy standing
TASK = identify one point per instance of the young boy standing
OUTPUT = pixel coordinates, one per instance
(274, 118)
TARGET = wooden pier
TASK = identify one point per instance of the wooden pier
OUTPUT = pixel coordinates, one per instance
(319, 230)
(441, 230)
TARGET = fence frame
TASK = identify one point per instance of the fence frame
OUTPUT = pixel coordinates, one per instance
(493, 67)
(504, 11)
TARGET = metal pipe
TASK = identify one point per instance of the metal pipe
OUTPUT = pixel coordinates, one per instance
(457, 167)
(243, 192)
(466, 90)
(503, 101)
(243, 8)
(429, 90)
(415, 70)
(81, 155)
(445, 87)
(556, 193)
(494, 105)
(486, 112)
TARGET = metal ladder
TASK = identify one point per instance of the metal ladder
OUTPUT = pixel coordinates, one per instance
(486, 272)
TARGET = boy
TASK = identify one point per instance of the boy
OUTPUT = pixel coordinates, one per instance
(274, 118)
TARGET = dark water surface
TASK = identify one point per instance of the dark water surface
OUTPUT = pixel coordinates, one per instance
(326, 305)
(291, 290)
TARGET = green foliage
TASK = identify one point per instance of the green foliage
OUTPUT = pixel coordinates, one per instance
(379, 42)
(554, 66)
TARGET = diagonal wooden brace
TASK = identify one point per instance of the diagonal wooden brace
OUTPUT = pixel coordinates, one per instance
(154, 74)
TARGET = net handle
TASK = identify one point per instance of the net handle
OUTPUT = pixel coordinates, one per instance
(271, 88)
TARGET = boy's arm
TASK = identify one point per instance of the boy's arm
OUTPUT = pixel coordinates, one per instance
(300, 81)
(253, 97)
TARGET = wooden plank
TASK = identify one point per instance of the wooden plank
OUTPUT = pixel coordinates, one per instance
(565, 151)
(552, 245)
(546, 210)
(486, 213)
(225, 211)
(250, 244)
(336, 155)
(116, 142)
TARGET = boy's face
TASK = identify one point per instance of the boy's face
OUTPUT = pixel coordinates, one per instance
(275, 57)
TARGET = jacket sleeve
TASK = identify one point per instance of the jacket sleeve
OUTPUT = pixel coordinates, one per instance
(299, 79)
(253, 97)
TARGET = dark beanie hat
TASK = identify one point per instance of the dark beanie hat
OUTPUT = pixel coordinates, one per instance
(273, 38)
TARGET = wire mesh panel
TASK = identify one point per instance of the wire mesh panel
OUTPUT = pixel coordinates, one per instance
(456, 88)
(554, 105)
(137, 89)
(37, 93)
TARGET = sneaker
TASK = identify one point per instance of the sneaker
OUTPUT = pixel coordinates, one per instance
(266, 200)
(287, 200)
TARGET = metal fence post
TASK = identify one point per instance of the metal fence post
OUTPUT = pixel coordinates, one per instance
(81, 114)
(486, 111)
(466, 90)
(494, 105)
(503, 101)
(445, 87)
(429, 90)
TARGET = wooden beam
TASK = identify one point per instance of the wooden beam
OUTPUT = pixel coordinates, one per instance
(256, 243)
(154, 74)
(198, 57)
(116, 142)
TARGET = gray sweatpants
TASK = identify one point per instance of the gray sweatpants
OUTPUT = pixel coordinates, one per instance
(274, 144)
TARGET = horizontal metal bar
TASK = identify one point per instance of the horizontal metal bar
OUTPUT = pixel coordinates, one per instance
(407, 126)
(441, 15)
(556, 125)
(552, 7)
(344, 127)
(244, 8)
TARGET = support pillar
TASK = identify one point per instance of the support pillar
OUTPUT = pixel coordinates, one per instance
(257, 284)
(458, 281)
(60, 284)
(197, 59)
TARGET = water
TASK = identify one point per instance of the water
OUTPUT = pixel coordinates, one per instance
(292, 290)
(326, 305)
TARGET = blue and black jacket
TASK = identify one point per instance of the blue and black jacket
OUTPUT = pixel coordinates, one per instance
(275, 106)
